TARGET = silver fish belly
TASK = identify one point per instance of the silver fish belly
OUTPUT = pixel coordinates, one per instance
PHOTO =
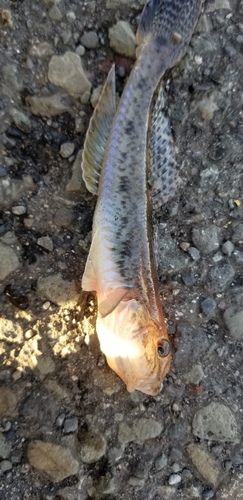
(128, 161)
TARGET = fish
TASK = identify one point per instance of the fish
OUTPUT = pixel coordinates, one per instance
(128, 163)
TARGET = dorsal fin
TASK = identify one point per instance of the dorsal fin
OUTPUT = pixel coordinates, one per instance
(162, 175)
(98, 133)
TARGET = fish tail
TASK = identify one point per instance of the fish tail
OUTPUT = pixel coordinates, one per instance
(169, 24)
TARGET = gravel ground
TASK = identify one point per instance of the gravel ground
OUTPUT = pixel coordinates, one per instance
(69, 430)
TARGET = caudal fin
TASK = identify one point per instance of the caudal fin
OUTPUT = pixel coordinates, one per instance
(170, 23)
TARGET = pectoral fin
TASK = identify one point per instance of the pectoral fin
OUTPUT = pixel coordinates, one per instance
(114, 298)
(163, 177)
(98, 133)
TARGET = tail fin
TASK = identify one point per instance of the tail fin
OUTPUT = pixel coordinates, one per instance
(169, 22)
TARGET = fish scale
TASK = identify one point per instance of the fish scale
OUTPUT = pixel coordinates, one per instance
(128, 161)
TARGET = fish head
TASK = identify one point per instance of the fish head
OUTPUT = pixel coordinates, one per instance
(136, 347)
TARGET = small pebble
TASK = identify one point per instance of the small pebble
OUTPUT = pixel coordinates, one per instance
(19, 210)
(70, 425)
(175, 407)
(227, 248)
(71, 16)
(45, 242)
(176, 467)
(90, 40)
(194, 253)
(3, 172)
(186, 474)
(185, 246)
(217, 257)
(80, 50)
(17, 375)
(174, 479)
(67, 149)
(207, 494)
(16, 456)
(60, 419)
(5, 466)
(189, 280)
(46, 305)
(208, 306)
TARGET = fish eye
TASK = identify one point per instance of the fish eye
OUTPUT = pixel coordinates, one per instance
(163, 348)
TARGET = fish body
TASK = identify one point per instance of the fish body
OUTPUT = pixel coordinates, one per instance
(128, 162)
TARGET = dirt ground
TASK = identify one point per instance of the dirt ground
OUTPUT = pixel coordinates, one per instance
(69, 430)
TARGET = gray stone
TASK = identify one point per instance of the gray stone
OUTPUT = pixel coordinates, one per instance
(189, 280)
(67, 149)
(5, 466)
(55, 13)
(3, 172)
(21, 120)
(8, 402)
(215, 422)
(47, 105)
(45, 242)
(16, 457)
(96, 95)
(90, 40)
(161, 462)
(217, 257)
(135, 481)
(12, 81)
(55, 461)
(227, 248)
(80, 50)
(70, 425)
(194, 253)
(195, 375)
(45, 365)
(234, 322)
(67, 72)
(139, 431)
(85, 97)
(206, 239)
(208, 306)
(5, 447)
(76, 182)
(9, 238)
(71, 16)
(41, 50)
(208, 177)
(19, 210)
(204, 463)
(11, 331)
(57, 290)
(207, 494)
(122, 39)
(66, 36)
(237, 236)
(93, 446)
(221, 275)
(219, 4)
(60, 420)
(174, 479)
(8, 261)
